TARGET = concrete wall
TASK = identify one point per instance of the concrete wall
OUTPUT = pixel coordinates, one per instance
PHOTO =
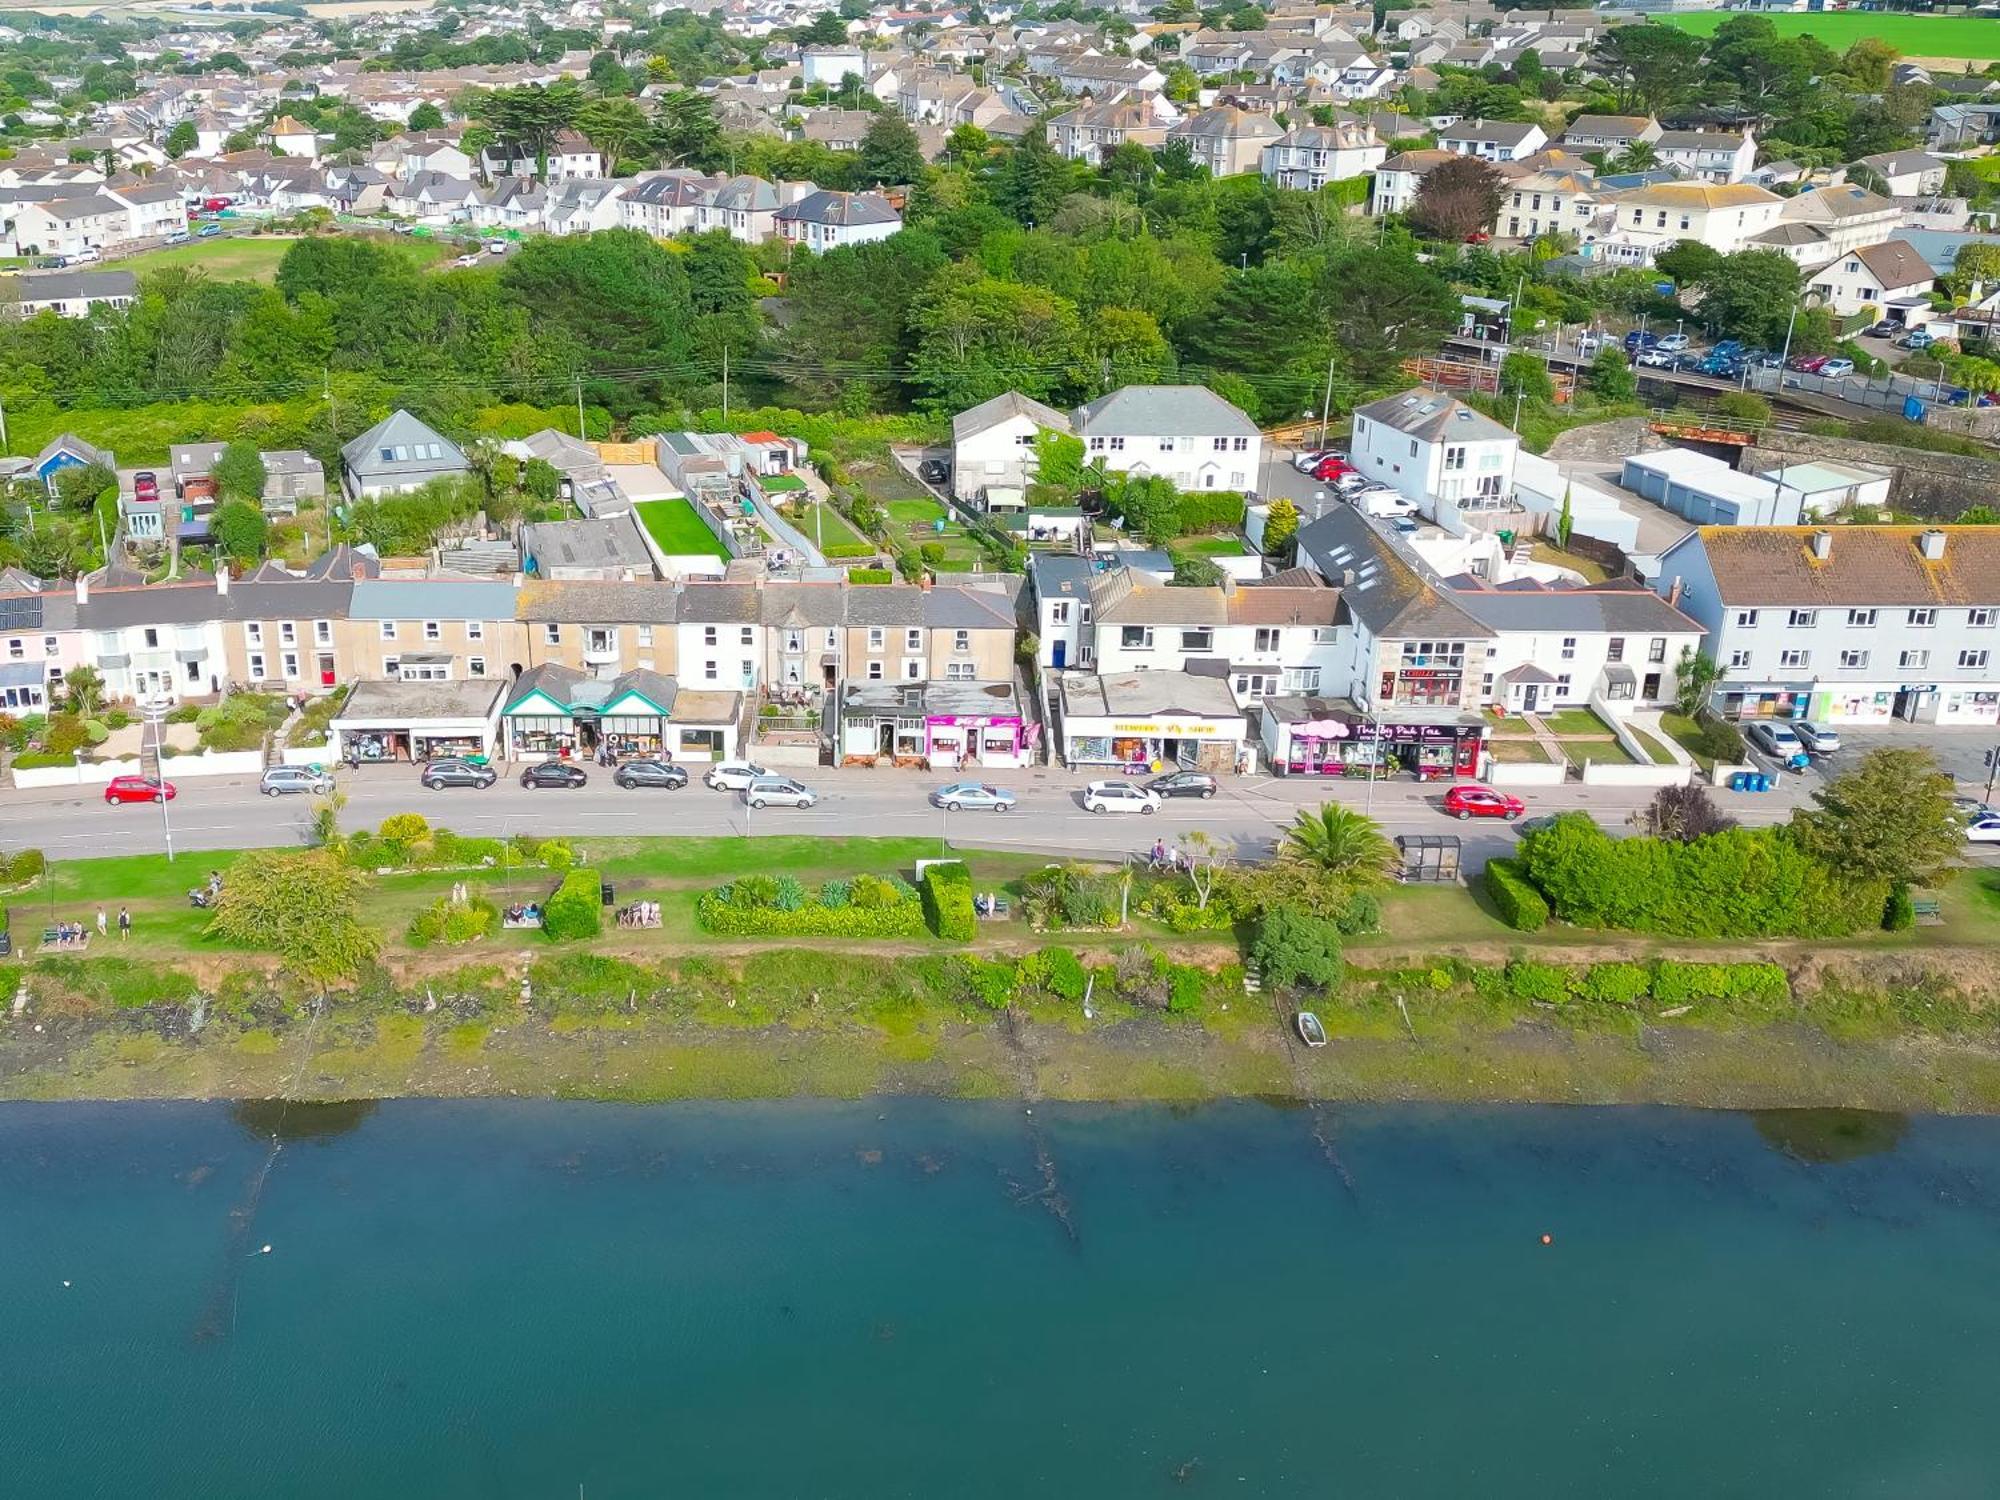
(98, 772)
(1936, 486)
(1526, 773)
(1616, 773)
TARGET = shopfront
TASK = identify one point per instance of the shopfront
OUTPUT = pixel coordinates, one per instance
(935, 725)
(1764, 700)
(418, 721)
(556, 712)
(1315, 737)
(1151, 719)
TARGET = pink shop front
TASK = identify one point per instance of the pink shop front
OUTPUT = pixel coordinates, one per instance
(944, 726)
(1313, 737)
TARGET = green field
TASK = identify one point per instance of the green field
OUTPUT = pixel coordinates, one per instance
(824, 526)
(243, 258)
(1974, 38)
(678, 530)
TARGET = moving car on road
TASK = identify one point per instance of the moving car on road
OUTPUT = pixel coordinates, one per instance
(279, 780)
(138, 789)
(1119, 796)
(1472, 800)
(440, 774)
(781, 790)
(973, 794)
(1183, 784)
(553, 773)
(650, 773)
(732, 775)
(1817, 738)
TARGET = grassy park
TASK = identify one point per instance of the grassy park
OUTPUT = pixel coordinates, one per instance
(248, 257)
(1972, 38)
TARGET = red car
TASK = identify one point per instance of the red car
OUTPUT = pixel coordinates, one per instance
(1810, 364)
(1471, 800)
(1333, 467)
(138, 789)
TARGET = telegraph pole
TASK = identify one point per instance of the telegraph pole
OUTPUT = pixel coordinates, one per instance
(579, 408)
(1325, 403)
(725, 383)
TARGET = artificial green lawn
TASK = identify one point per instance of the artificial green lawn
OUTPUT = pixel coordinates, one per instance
(1972, 37)
(678, 530)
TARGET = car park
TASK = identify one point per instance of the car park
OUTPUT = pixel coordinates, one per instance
(278, 780)
(1820, 739)
(456, 771)
(557, 773)
(732, 775)
(658, 773)
(781, 790)
(1119, 797)
(977, 795)
(138, 789)
(1836, 369)
(1984, 830)
(1471, 800)
(1183, 784)
(1776, 740)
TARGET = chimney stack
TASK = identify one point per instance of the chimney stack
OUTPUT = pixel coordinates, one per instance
(83, 588)
(1931, 544)
(1822, 545)
(222, 578)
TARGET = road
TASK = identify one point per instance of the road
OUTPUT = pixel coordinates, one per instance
(1249, 812)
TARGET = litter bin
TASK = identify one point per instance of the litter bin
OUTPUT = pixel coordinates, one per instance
(606, 893)
(1739, 781)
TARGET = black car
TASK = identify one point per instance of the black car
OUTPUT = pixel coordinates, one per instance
(1183, 784)
(934, 471)
(553, 773)
(440, 774)
(651, 773)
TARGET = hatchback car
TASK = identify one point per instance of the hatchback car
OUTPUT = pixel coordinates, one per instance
(781, 790)
(732, 775)
(973, 794)
(1119, 796)
(1474, 801)
(934, 471)
(440, 774)
(1335, 468)
(1778, 740)
(1655, 359)
(1673, 343)
(1918, 338)
(1809, 364)
(282, 779)
(1818, 738)
(553, 773)
(1636, 340)
(1182, 784)
(1312, 458)
(138, 789)
(650, 773)
(1835, 369)
(1888, 328)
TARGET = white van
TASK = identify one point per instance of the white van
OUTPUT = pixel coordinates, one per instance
(1380, 501)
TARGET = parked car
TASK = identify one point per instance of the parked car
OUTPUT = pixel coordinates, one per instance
(208, 231)
(1820, 739)
(1835, 369)
(1637, 340)
(1971, 809)
(1119, 797)
(650, 773)
(1810, 364)
(1407, 525)
(1673, 343)
(1655, 359)
(1589, 344)
(1888, 328)
(1984, 830)
(732, 775)
(1779, 741)
(279, 780)
(178, 237)
(1769, 359)
(1379, 500)
(1917, 338)
(1471, 800)
(1312, 458)
(138, 789)
(934, 471)
(454, 771)
(974, 794)
(146, 487)
(84, 256)
(779, 789)
(1728, 348)
(1183, 784)
(1334, 468)
(554, 773)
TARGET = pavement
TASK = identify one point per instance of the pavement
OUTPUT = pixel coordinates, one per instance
(1248, 812)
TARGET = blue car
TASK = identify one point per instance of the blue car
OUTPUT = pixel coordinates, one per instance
(1728, 348)
(1637, 340)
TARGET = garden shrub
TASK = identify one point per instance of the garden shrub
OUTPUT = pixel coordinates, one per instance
(95, 731)
(992, 984)
(947, 895)
(1901, 914)
(1520, 905)
(389, 854)
(1057, 971)
(1360, 913)
(1677, 983)
(554, 854)
(1740, 882)
(25, 866)
(1549, 984)
(870, 575)
(835, 893)
(1207, 510)
(29, 760)
(1071, 896)
(1184, 989)
(1171, 901)
(787, 894)
(834, 551)
(446, 921)
(405, 828)
(1616, 983)
(573, 911)
(1720, 741)
(753, 906)
(1294, 947)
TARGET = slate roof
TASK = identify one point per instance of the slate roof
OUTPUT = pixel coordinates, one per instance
(64, 286)
(432, 599)
(1869, 565)
(1626, 607)
(1163, 411)
(1008, 404)
(829, 207)
(1379, 588)
(621, 603)
(1432, 417)
(401, 431)
(613, 543)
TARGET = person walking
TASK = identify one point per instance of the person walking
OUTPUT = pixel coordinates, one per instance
(124, 924)
(103, 923)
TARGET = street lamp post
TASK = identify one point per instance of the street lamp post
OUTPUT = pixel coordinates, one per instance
(154, 712)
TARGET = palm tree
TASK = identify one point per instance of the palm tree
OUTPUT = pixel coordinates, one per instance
(1337, 841)
(84, 688)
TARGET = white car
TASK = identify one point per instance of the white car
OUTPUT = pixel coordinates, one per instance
(732, 775)
(1312, 458)
(470, 259)
(1984, 830)
(1119, 796)
(1817, 738)
(782, 790)
(496, 247)
(1673, 343)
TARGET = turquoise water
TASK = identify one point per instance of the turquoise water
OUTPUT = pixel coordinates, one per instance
(890, 1299)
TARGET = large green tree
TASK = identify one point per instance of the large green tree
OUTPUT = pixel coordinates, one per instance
(978, 337)
(1889, 818)
(304, 906)
(1751, 296)
(890, 153)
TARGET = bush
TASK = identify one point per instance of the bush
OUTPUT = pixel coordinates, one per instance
(947, 895)
(1361, 913)
(1901, 914)
(405, 828)
(1184, 989)
(1616, 983)
(1548, 984)
(778, 906)
(1676, 983)
(1207, 510)
(1057, 971)
(573, 911)
(1520, 905)
(29, 760)
(25, 866)
(1294, 947)
(1721, 742)
(554, 854)
(836, 550)
(1743, 406)
(445, 921)
(787, 894)
(870, 575)
(992, 984)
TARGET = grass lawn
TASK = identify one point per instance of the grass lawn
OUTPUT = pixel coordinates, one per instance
(678, 530)
(1969, 37)
(1687, 734)
(1659, 754)
(1213, 546)
(917, 512)
(246, 258)
(1510, 728)
(1518, 751)
(825, 526)
(1581, 721)
(1549, 552)
(1580, 749)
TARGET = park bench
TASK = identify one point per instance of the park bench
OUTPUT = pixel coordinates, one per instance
(51, 940)
(1928, 909)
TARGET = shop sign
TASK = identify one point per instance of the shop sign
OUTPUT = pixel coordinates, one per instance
(1150, 727)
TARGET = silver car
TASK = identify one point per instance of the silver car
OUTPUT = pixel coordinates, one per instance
(973, 794)
(279, 780)
(781, 790)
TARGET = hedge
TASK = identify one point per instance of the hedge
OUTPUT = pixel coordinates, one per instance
(870, 575)
(777, 906)
(573, 911)
(849, 549)
(1668, 982)
(1520, 905)
(1742, 882)
(947, 896)
(1208, 510)
(30, 760)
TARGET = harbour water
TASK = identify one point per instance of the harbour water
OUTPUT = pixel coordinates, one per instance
(920, 1298)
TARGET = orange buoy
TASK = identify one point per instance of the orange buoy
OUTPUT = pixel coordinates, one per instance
(1548, 1239)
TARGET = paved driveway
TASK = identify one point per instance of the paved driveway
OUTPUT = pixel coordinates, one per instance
(1960, 751)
